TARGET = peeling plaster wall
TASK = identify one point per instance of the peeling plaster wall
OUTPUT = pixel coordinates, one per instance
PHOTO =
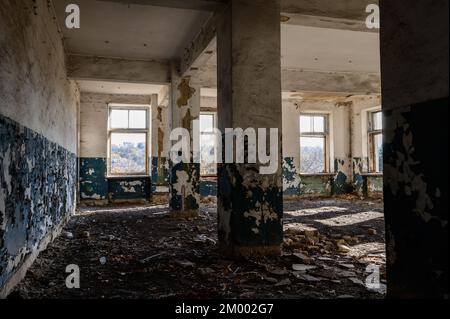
(38, 136)
(250, 205)
(414, 61)
(349, 160)
(296, 184)
(94, 182)
(161, 118)
(184, 177)
(364, 184)
(347, 139)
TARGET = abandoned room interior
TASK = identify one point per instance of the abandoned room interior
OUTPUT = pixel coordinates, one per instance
(356, 207)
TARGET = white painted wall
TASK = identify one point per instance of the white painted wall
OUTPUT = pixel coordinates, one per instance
(348, 132)
(362, 105)
(34, 89)
(94, 120)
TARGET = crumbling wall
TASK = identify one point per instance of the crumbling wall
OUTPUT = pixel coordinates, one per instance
(161, 119)
(347, 164)
(364, 183)
(38, 135)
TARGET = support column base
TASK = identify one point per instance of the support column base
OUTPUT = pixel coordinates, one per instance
(187, 214)
(252, 251)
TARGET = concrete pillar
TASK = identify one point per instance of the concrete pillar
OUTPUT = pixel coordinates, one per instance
(184, 177)
(414, 62)
(250, 205)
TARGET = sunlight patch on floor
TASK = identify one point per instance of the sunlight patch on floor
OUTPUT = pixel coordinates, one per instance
(347, 220)
(315, 211)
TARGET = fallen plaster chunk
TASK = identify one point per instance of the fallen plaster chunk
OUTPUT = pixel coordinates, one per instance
(302, 267)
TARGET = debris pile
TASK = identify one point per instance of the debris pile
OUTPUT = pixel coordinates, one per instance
(140, 252)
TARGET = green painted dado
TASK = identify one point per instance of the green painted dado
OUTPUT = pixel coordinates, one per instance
(95, 184)
(160, 172)
(129, 188)
(316, 185)
(37, 192)
(93, 181)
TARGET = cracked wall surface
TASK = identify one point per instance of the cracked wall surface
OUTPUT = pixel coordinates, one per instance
(38, 135)
(184, 178)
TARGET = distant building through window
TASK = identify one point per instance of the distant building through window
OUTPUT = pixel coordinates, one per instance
(313, 143)
(128, 145)
(376, 142)
(208, 166)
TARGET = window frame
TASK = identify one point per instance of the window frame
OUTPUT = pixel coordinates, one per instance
(326, 139)
(372, 135)
(214, 114)
(145, 131)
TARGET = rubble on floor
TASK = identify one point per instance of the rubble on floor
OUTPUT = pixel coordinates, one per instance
(140, 252)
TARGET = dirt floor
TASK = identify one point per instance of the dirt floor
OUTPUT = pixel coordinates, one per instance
(140, 252)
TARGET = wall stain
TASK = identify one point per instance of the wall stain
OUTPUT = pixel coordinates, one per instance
(186, 92)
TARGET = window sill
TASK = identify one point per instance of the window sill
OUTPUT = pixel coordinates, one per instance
(318, 174)
(372, 174)
(126, 176)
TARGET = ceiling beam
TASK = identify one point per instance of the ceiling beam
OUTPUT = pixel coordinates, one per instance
(296, 80)
(118, 70)
(201, 48)
(325, 22)
(199, 5)
(348, 9)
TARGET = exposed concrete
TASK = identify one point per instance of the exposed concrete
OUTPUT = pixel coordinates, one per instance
(108, 87)
(312, 81)
(250, 205)
(201, 48)
(120, 70)
(415, 42)
(200, 5)
(349, 9)
(414, 58)
(184, 177)
(325, 22)
(352, 83)
(131, 31)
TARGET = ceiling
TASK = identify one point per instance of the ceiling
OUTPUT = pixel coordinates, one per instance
(114, 29)
(131, 29)
(325, 49)
(118, 87)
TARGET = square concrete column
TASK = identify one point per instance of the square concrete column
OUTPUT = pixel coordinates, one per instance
(250, 204)
(184, 176)
(415, 81)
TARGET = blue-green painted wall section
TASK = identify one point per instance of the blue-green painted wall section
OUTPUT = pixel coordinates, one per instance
(37, 192)
(95, 184)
